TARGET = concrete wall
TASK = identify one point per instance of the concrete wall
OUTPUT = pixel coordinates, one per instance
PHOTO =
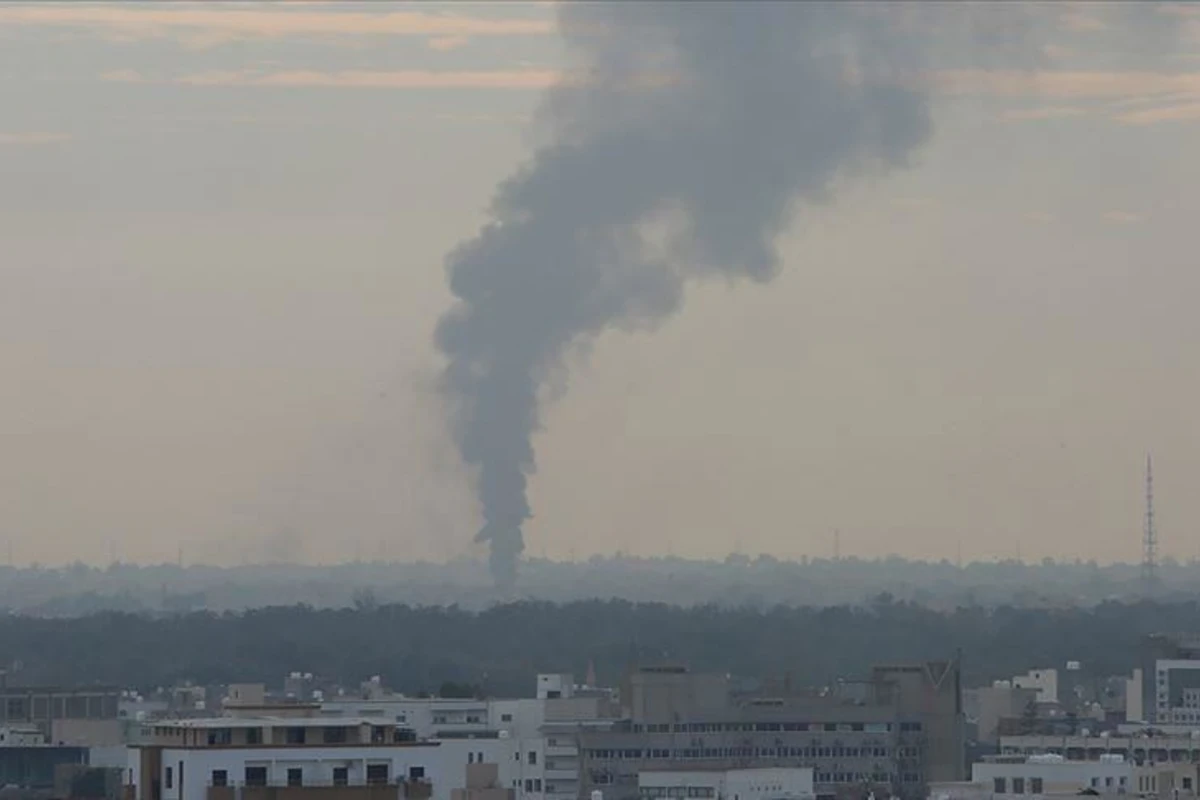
(1043, 681)
(999, 702)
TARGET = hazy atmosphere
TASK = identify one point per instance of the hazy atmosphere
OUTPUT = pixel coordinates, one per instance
(225, 232)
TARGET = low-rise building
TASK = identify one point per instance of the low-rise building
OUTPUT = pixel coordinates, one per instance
(297, 758)
(793, 783)
(1041, 776)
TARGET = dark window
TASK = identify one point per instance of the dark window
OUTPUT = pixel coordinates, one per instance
(1035, 785)
(529, 784)
(295, 776)
(377, 773)
(341, 776)
(220, 777)
(999, 786)
(41, 707)
(295, 735)
(506, 717)
(537, 784)
(59, 706)
(335, 736)
(253, 735)
(15, 708)
(76, 707)
(220, 736)
(256, 776)
(170, 777)
(532, 757)
(1018, 786)
(416, 773)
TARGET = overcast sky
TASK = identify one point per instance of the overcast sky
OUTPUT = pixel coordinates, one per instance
(222, 233)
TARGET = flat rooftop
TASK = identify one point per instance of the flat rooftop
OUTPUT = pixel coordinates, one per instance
(270, 722)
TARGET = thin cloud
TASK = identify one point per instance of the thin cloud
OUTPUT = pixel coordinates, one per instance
(206, 26)
(1080, 19)
(527, 79)
(1154, 116)
(33, 138)
(1123, 217)
(362, 79)
(446, 43)
(1041, 113)
(1064, 84)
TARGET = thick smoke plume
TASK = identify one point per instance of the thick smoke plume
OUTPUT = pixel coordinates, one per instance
(691, 136)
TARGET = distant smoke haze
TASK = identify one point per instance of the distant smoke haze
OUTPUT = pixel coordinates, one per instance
(640, 189)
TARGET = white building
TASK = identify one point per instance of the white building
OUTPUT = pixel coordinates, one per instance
(206, 759)
(1039, 775)
(794, 783)
(1051, 775)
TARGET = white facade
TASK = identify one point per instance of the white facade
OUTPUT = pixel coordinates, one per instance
(21, 736)
(187, 773)
(743, 784)
(1053, 775)
(1045, 681)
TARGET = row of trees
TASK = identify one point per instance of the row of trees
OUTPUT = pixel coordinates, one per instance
(497, 651)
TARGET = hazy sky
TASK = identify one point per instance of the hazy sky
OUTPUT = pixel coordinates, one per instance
(222, 231)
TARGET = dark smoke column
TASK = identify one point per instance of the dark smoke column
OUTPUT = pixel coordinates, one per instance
(694, 133)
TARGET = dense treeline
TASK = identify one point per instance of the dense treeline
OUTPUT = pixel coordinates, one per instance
(735, 581)
(499, 649)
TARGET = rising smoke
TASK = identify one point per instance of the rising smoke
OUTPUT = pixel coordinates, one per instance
(692, 135)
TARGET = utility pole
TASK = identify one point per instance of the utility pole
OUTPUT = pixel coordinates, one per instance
(1149, 537)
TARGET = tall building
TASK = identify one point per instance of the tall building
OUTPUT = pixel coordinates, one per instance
(898, 732)
(1171, 679)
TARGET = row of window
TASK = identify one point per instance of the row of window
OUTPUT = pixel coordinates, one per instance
(656, 792)
(1001, 785)
(854, 777)
(750, 752)
(36, 707)
(769, 727)
(257, 775)
(600, 778)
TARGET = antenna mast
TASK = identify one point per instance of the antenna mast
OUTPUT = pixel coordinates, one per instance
(1149, 536)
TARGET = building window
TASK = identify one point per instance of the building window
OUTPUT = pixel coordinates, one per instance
(999, 786)
(1018, 786)
(416, 773)
(169, 780)
(220, 736)
(253, 735)
(377, 773)
(295, 735)
(220, 777)
(470, 758)
(537, 784)
(335, 735)
(532, 757)
(506, 717)
(341, 776)
(256, 776)
(295, 776)
(529, 784)
(1035, 785)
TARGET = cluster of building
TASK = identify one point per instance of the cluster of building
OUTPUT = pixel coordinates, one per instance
(908, 731)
